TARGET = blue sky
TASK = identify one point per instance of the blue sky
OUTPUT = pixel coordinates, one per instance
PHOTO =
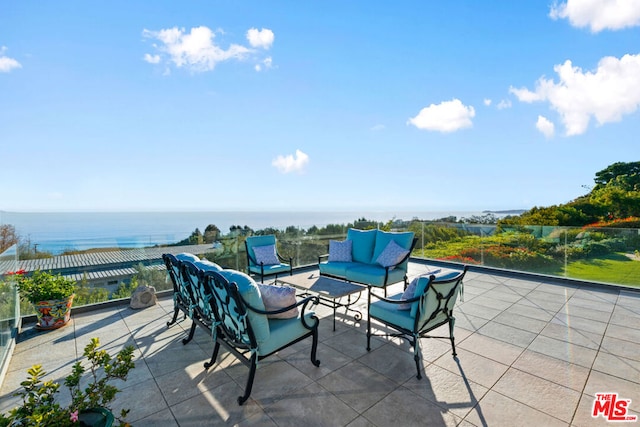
(274, 105)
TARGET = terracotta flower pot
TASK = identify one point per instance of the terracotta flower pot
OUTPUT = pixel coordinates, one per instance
(53, 314)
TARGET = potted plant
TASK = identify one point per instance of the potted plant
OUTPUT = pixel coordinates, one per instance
(91, 395)
(51, 296)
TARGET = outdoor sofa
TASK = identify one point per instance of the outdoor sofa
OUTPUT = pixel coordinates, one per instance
(370, 257)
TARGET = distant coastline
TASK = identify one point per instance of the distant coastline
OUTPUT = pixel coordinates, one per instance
(60, 231)
(508, 212)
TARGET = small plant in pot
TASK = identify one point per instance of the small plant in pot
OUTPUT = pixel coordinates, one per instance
(91, 394)
(51, 296)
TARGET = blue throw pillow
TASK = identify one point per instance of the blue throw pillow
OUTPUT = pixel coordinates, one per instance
(266, 255)
(340, 251)
(392, 254)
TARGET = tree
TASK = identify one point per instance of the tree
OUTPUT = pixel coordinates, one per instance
(8, 236)
(196, 237)
(211, 233)
(625, 175)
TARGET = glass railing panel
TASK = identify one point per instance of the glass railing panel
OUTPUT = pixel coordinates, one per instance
(609, 255)
(9, 305)
(597, 254)
(594, 254)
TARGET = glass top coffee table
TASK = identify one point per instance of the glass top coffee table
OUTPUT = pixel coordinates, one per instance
(330, 291)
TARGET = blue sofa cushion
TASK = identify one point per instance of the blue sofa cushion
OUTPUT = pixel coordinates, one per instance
(383, 238)
(251, 294)
(373, 274)
(362, 244)
(338, 269)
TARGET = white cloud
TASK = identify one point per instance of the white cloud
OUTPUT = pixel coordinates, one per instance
(607, 94)
(195, 50)
(546, 127)
(525, 95)
(290, 163)
(152, 59)
(260, 38)
(448, 116)
(378, 128)
(598, 14)
(7, 64)
(266, 63)
(487, 102)
(504, 104)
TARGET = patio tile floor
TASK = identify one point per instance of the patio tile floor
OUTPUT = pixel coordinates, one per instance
(530, 352)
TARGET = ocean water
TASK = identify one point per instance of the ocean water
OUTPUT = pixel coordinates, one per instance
(60, 231)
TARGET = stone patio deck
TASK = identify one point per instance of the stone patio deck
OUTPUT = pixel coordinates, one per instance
(530, 352)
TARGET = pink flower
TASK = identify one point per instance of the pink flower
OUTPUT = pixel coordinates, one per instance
(74, 416)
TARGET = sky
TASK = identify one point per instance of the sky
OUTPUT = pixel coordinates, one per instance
(313, 105)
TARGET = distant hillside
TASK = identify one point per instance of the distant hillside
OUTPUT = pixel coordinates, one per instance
(614, 201)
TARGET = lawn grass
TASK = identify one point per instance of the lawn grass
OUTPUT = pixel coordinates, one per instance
(615, 268)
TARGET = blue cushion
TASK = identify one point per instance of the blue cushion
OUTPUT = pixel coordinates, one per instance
(363, 242)
(251, 294)
(270, 269)
(383, 238)
(187, 257)
(206, 265)
(283, 331)
(373, 274)
(389, 312)
(338, 269)
(259, 241)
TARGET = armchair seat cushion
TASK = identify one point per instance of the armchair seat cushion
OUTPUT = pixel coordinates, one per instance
(388, 312)
(284, 331)
(373, 274)
(270, 269)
